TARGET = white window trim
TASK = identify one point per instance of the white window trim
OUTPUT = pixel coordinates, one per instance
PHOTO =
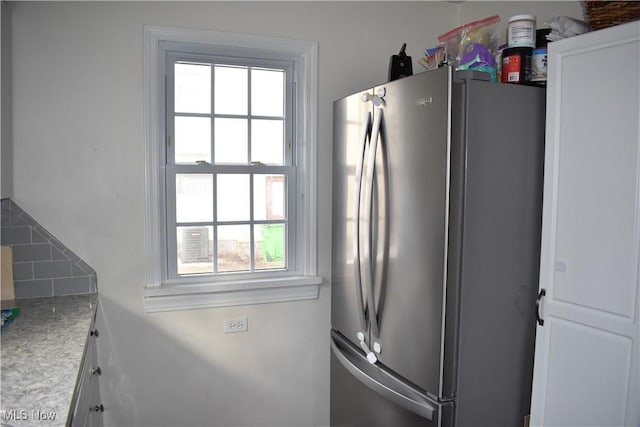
(159, 296)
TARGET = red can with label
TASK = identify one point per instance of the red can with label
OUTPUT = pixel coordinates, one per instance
(516, 65)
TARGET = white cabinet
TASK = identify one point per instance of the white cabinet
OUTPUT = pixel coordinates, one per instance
(587, 362)
(86, 409)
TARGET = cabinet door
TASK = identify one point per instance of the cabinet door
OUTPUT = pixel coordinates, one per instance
(93, 386)
(80, 415)
(587, 352)
(87, 409)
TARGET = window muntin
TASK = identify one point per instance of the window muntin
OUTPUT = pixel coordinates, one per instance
(230, 176)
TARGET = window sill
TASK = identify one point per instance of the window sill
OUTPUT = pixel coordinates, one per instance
(209, 295)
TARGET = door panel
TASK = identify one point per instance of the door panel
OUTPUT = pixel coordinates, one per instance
(347, 308)
(606, 356)
(608, 198)
(411, 194)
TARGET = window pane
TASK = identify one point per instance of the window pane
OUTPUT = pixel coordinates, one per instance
(193, 139)
(267, 93)
(231, 90)
(233, 197)
(194, 198)
(270, 247)
(231, 142)
(195, 249)
(192, 88)
(234, 248)
(269, 197)
(267, 141)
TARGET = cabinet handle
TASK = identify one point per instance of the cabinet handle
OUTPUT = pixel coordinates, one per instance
(96, 371)
(97, 408)
(541, 295)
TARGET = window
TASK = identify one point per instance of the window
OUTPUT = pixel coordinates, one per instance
(230, 143)
(230, 174)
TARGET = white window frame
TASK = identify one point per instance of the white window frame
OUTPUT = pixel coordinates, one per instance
(162, 293)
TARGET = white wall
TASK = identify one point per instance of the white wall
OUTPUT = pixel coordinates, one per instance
(79, 171)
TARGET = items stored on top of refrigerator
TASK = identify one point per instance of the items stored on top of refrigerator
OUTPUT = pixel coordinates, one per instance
(563, 27)
(539, 58)
(516, 65)
(604, 14)
(435, 251)
(521, 31)
(472, 46)
(475, 46)
(466, 47)
(400, 65)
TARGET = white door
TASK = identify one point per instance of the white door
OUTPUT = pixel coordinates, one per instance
(587, 362)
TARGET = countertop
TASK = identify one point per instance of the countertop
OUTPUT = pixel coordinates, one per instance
(40, 357)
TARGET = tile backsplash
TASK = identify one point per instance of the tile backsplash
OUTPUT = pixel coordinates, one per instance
(42, 266)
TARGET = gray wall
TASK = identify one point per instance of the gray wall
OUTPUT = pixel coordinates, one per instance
(42, 265)
(79, 171)
(6, 152)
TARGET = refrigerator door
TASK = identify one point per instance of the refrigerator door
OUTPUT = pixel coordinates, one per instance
(408, 227)
(352, 121)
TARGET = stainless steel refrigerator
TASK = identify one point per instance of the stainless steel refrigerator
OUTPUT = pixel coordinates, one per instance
(437, 193)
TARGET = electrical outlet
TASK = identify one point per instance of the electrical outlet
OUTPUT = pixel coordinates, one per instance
(238, 324)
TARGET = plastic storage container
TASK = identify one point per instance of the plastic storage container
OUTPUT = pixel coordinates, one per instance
(539, 58)
(516, 65)
(522, 31)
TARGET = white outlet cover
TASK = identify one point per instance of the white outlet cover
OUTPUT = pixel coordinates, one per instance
(238, 324)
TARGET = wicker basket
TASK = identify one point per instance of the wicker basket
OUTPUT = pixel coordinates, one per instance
(603, 14)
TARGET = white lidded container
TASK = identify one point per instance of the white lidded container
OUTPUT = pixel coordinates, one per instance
(522, 31)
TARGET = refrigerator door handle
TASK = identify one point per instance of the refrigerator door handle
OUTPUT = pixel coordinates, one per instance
(381, 381)
(541, 295)
(368, 199)
(364, 134)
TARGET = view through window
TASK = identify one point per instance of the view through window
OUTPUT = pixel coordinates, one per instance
(229, 166)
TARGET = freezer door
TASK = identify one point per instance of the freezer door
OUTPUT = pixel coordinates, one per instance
(352, 121)
(408, 227)
(365, 394)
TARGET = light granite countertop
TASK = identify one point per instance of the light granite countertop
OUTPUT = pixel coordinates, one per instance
(41, 352)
